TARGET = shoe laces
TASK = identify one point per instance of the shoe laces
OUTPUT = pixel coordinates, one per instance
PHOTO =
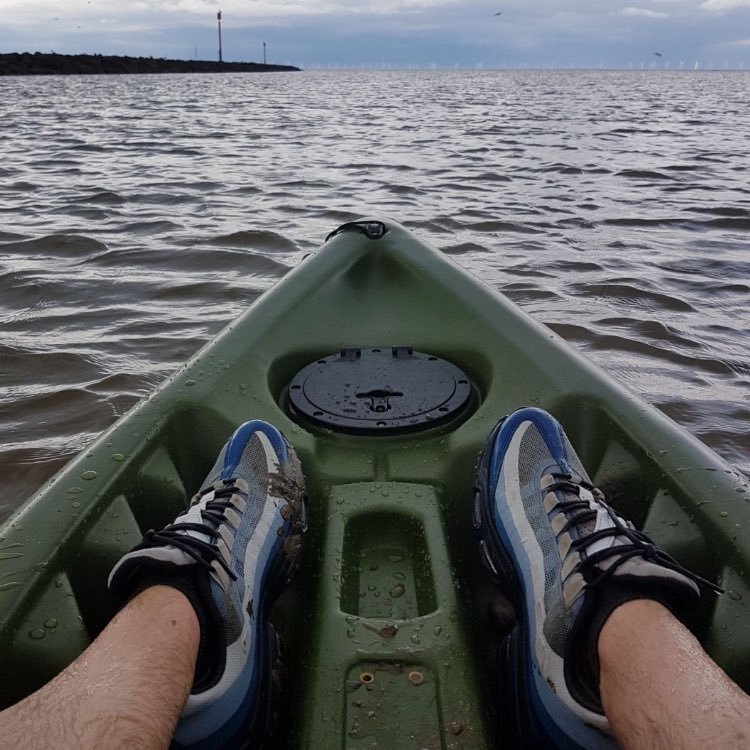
(205, 553)
(580, 512)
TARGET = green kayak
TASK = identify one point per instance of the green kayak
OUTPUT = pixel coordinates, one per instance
(386, 366)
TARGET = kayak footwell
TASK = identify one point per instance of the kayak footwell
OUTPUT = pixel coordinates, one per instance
(389, 631)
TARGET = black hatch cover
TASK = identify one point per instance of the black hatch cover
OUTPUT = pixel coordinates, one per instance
(379, 391)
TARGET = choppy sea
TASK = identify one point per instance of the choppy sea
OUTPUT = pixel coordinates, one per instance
(139, 214)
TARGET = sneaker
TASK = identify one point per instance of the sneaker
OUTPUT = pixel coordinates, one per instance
(566, 560)
(230, 553)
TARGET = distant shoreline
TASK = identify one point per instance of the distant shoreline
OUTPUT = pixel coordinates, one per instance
(44, 64)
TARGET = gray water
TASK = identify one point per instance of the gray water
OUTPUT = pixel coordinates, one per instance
(139, 214)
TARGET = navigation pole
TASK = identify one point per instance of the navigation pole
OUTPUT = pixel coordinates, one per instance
(218, 17)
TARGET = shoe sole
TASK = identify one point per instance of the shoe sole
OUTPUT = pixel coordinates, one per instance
(289, 484)
(492, 551)
(515, 717)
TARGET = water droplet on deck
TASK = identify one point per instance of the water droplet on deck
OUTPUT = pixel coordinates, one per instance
(37, 634)
(76, 504)
(50, 624)
(735, 595)
(88, 475)
(118, 457)
(394, 558)
(398, 590)
(416, 678)
(75, 491)
(10, 585)
(723, 514)
(189, 383)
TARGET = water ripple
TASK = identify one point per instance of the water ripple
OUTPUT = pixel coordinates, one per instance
(141, 213)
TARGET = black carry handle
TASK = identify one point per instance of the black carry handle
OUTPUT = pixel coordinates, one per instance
(373, 230)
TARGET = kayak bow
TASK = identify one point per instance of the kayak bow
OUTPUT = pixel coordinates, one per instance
(386, 624)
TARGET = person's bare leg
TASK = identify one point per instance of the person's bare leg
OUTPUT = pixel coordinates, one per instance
(127, 690)
(661, 690)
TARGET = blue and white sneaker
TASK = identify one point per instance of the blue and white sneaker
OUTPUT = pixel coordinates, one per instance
(230, 553)
(566, 560)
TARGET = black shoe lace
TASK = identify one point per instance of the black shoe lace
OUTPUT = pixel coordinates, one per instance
(204, 553)
(579, 512)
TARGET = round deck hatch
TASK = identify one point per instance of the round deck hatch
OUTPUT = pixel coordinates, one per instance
(379, 391)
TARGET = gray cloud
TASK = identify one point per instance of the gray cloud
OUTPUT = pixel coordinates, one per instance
(721, 6)
(645, 12)
(392, 32)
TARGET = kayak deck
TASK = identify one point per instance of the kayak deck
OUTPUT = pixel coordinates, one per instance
(386, 625)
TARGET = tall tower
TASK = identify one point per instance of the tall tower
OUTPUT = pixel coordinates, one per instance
(218, 17)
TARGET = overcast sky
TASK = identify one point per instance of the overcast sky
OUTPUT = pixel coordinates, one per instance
(397, 33)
